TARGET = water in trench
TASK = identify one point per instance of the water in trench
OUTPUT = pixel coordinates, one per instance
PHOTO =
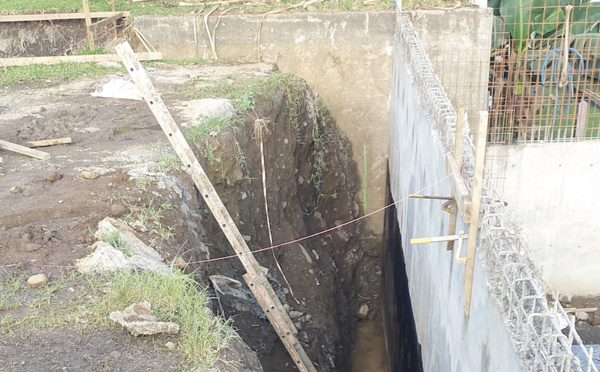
(369, 352)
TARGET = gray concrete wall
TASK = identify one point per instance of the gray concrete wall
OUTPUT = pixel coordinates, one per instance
(552, 192)
(346, 57)
(457, 43)
(450, 341)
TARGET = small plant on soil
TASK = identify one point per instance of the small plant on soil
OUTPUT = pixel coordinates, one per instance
(8, 291)
(150, 215)
(166, 162)
(209, 153)
(115, 239)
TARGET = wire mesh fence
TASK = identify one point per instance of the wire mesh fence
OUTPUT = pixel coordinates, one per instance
(543, 72)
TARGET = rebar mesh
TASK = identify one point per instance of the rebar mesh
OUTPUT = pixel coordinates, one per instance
(512, 277)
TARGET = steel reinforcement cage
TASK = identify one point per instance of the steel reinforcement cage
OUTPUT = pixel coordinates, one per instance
(536, 328)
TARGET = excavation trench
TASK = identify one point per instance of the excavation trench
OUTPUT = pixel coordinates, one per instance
(311, 185)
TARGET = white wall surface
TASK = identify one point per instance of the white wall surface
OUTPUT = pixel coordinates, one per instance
(553, 192)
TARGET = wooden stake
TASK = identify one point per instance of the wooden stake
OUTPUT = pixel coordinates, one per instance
(255, 277)
(24, 150)
(50, 142)
(458, 139)
(88, 24)
(476, 199)
(114, 9)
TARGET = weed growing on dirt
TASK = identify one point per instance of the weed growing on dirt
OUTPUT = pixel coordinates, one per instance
(150, 216)
(51, 74)
(166, 162)
(209, 154)
(86, 51)
(115, 239)
(8, 292)
(240, 159)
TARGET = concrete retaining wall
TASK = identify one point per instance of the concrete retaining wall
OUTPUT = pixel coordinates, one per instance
(552, 192)
(450, 341)
(346, 57)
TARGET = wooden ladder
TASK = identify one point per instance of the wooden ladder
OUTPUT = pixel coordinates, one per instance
(255, 276)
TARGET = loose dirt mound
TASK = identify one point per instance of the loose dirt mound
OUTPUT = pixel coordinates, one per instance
(311, 185)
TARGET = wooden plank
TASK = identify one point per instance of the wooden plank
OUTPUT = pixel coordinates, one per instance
(65, 59)
(580, 310)
(255, 277)
(24, 150)
(88, 23)
(459, 189)
(106, 21)
(437, 239)
(57, 16)
(476, 199)
(50, 142)
(458, 140)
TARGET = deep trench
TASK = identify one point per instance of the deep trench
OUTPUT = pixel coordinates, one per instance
(312, 185)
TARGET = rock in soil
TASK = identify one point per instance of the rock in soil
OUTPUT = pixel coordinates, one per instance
(117, 210)
(31, 247)
(295, 314)
(89, 175)
(15, 190)
(53, 176)
(170, 345)
(37, 281)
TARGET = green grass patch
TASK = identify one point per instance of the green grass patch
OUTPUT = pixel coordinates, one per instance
(174, 298)
(212, 124)
(50, 74)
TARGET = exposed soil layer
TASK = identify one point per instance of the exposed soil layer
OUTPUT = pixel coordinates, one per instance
(311, 186)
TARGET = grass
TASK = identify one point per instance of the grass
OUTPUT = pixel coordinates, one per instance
(150, 216)
(8, 292)
(115, 239)
(169, 7)
(212, 125)
(49, 74)
(175, 298)
(167, 162)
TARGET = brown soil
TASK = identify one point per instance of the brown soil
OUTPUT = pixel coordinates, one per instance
(331, 275)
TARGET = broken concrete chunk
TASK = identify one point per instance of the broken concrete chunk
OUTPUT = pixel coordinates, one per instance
(130, 254)
(37, 281)
(139, 319)
(362, 312)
